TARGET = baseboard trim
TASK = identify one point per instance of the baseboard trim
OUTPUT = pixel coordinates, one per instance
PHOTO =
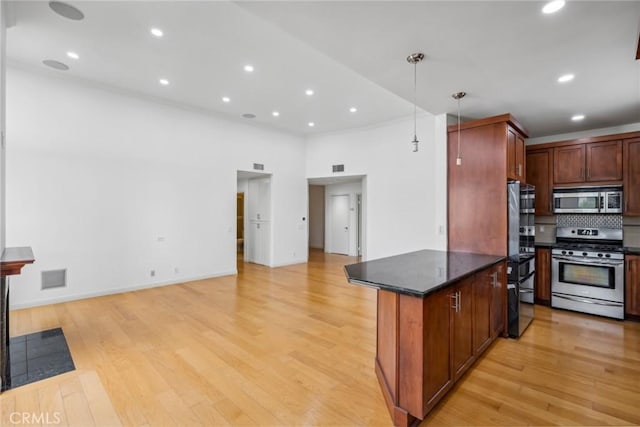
(292, 262)
(113, 291)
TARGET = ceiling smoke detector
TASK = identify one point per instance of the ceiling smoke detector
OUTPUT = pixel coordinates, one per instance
(249, 116)
(66, 10)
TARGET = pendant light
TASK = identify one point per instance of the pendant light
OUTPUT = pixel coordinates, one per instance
(414, 58)
(458, 96)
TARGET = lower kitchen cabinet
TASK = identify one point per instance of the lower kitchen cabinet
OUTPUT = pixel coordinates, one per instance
(462, 326)
(498, 312)
(632, 285)
(426, 344)
(543, 276)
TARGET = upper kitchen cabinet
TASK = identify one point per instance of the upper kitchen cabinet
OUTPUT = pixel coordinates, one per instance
(540, 174)
(588, 163)
(632, 177)
(515, 155)
(478, 183)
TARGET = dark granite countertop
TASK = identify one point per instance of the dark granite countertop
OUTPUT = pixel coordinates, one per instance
(631, 250)
(418, 273)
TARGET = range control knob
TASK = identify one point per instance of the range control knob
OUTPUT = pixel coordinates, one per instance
(564, 252)
(608, 255)
(570, 252)
(584, 254)
(599, 255)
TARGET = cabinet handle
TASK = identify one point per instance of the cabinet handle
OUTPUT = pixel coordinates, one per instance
(588, 173)
(582, 173)
(494, 279)
(459, 301)
(456, 298)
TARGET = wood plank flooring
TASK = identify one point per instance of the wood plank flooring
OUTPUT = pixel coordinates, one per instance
(295, 346)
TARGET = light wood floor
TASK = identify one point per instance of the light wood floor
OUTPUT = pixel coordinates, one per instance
(295, 346)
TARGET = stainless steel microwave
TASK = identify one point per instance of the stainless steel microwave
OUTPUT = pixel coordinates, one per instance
(587, 200)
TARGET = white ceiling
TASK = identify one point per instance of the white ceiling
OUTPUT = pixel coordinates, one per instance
(506, 55)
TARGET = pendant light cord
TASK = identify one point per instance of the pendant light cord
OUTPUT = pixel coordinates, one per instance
(458, 129)
(415, 98)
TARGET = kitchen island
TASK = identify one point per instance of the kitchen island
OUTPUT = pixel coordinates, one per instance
(436, 313)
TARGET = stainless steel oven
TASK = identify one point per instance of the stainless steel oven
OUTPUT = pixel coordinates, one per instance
(587, 276)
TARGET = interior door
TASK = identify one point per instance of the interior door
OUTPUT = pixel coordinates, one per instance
(340, 224)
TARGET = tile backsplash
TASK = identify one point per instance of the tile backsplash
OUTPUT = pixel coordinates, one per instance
(590, 221)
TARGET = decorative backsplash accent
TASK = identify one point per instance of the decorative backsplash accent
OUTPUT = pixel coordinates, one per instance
(590, 221)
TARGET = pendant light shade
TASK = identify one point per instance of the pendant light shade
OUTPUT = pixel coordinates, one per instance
(414, 58)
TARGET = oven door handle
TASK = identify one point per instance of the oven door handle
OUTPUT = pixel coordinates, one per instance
(582, 261)
(588, 301)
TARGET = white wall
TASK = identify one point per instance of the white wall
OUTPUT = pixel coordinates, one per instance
(316, 216)
(405, 200)
(351, 189)
(632, 127)
(111, 187)
(3, 57)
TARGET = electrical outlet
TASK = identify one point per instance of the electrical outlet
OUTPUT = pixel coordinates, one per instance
(176, 270)
(541, 228)
(152, 273)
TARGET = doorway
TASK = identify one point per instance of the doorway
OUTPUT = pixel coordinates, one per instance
(253, 210)
(339, 228)
(337, 215)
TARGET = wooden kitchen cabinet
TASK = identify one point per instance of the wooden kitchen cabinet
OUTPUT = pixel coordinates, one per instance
(540, 174)
(498, 313)
(478, 184)
(632, 285)
(462, 327)
(482, 293)
(543, 276)
(516, 167)
(588, 164)
(631, 155)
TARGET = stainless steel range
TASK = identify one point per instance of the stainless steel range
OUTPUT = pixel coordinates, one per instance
(587, 271)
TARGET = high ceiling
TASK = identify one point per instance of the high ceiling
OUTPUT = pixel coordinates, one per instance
(507, 55)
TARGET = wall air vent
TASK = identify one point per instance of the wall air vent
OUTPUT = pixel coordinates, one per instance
(338, 168)
(258, 166)
(54, 279)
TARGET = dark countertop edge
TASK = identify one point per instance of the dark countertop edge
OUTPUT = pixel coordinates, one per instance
(404, 291)
(631, 250)
(544, 244)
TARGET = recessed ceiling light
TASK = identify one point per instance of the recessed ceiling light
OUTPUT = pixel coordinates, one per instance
(248, 68)
(353, 109)
(565, 78)
(275, 114)
(311, 124)
(157, 32)
(226, 99)
(309, 92)
(73, 55)
(577, 117)
(66, 10)
(164, 82)
(55, 64)
(553, 6)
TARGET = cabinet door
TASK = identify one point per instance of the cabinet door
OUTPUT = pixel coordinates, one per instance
(437, 372)
(462, 326)
(512, 170)
(604, 161)
(543, 276)
(498, 299)
(540, 174)
(632, 177)
(568, 164)
(632, 285)
(520, 159)
(482, 291)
